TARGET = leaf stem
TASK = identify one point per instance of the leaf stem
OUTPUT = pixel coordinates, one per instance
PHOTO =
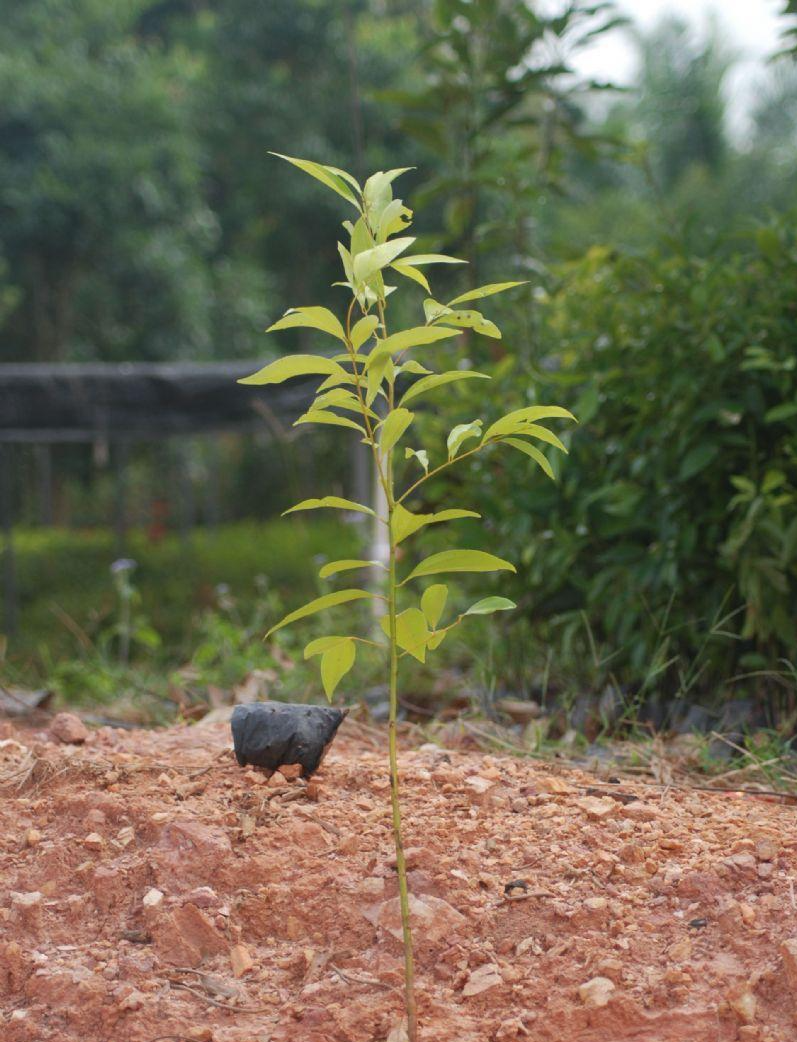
(442, 466)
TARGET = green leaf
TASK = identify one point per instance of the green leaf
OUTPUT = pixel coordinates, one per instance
(488, 605)
(534, 430)
(514, 421)
(331, 418)
(429, 383)
(460, 561)
(405, 522)
(336, 662)
(327, 175)
(412, 366)
(369, 262)
(784, 411)
(333, 567)
(322, 644)
(433, 310)
(414, 337)
(409, 272)
(378, 366)
(697, 459)
(310, 318)
(470, 320)
(421, 455)
(534, 453)
(378, 192)
(346, 177)
(341, 398)
(432, 258)
(329, 600)
(461, 433)
(394, 427)
(484, 291)
(396, 217)
(331, 501)
(412, 632)
(294, 365)
(337, 379)
(433, 602)
(362, 330)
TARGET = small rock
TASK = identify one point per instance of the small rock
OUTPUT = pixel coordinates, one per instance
(183, 938)
(291, 771)
(596, 992)
(765, 850)
(152, 898)
(309, 835)
(743, 1003)
(432, 918)
(25, 901)
(135, 1000)
(202, 897)
(293, 928)
(277, 779)
(413, 857)
(68, 728)
(596, 904)
(555, 786)
(528, 944)
(765, 870)
(680, 951)
(478, 784)
(788, 951)
(597, 807)
(482, 978)
(637, 811)
(518, 710)
(33, 838)
(747, 913)
(743, 862)
(240, 960)
(94, 841)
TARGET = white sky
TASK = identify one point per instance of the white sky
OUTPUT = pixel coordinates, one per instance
(751, 27)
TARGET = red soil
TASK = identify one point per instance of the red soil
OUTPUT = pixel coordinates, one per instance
(140, 865)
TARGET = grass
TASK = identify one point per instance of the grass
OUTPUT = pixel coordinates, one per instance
(68, 601)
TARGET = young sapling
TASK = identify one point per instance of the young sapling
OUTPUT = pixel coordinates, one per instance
(366, 388)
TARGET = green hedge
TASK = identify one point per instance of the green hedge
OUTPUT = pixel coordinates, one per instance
(666, 555)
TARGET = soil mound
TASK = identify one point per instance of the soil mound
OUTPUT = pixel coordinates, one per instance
(152, 889)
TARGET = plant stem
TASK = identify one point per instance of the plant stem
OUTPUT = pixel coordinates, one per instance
(401, 866)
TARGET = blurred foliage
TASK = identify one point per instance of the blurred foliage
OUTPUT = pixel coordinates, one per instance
(104, 228)
(143, 219)
(790, 30)
(68, 599)
(671, 539)
(495, 106)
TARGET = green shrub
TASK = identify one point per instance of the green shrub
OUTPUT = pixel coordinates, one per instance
(669, 546)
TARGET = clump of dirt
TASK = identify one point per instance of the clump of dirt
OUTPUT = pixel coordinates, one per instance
(152, 889)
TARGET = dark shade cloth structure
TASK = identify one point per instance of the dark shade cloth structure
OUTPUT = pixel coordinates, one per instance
(45, 404)
(270, 734)
(73, 402)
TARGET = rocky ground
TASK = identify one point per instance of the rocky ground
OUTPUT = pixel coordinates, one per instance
(151, 889)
